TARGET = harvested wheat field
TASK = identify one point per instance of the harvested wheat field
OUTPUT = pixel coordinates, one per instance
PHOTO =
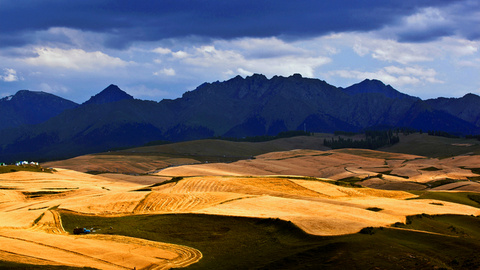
(31, 229)
(324, 193)
(388, 170)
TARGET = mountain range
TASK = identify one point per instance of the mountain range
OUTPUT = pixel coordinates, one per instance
(41, 126)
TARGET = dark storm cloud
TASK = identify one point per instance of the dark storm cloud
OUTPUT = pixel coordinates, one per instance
(127, 21)
(431, 34)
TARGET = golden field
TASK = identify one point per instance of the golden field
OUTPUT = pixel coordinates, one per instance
(322, 192)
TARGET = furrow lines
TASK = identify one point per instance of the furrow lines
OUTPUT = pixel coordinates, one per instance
(64, 250)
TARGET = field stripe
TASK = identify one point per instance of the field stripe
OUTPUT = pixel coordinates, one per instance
(64, 250)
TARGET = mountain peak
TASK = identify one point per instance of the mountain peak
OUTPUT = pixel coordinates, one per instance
(21, 94)
(28, 96)
(472, 96)
(376, 86)
(31, 107)
(110, 94)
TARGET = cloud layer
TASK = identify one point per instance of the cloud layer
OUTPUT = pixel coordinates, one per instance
(159, 49)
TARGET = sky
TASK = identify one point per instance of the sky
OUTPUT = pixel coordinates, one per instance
(160, 49)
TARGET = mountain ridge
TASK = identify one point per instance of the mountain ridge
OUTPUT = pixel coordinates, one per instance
(238, 107)
(31, 107)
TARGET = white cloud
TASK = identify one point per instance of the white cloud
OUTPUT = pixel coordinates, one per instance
(426, 18)
(404, 53)
(209, 57)
(165, 71)
(263, 47)
(473, 63)
(359, 49)
(393, 75)
(76, 59)
(9, 75)
(244, 72)
(161, 50)
(53, 88)
(458, 47)
(145, 91)
(389, 50)
(180, 54)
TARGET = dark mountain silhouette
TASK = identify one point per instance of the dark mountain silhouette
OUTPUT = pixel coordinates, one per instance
(423, 116)
(110, 94)
(31, 107)
(238, 107)
(466, 107)
(378, 87)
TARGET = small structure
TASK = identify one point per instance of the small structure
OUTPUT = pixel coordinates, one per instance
(81, 231)
(20, 163)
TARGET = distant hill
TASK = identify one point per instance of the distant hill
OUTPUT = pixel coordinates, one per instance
(466, 107)
(239, 107)
(31, 107)
(149, 158)
(110, 94)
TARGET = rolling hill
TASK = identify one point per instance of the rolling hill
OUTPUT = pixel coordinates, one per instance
(270, 212)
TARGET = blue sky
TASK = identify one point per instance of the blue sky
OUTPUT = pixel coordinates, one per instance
(160, 49)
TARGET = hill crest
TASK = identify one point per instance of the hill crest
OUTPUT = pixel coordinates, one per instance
(110, 94)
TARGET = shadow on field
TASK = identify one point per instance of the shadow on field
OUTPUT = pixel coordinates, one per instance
(426, 242)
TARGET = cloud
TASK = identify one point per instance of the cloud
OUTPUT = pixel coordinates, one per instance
(9, 75)
(473, 63)
(269, 56)
(145, 91)
(67, 38)
(53, 88)
(75, 59)
(230, 59)
(124, 23)
(243, 72)
(179, 44)
(161, 50)
(180, 54)
(392, 51)
(263, 48)
(165, 71)
(389, 50)
(426, 25)
(393, 75)
(429, 23)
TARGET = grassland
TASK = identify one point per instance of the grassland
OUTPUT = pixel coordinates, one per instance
(455, 197)
(434, 146)
(251, 243)
(23, 168)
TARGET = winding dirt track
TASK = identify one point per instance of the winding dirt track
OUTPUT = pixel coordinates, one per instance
(50, 222)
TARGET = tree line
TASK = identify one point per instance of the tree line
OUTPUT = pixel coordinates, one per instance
(374, 139)
(264, 138)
